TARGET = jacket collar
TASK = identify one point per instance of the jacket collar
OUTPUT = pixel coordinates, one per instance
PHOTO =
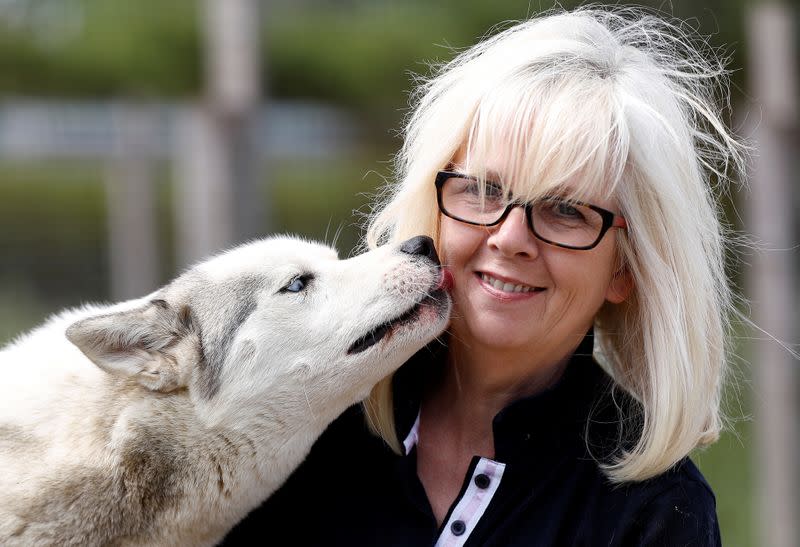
(579, 410)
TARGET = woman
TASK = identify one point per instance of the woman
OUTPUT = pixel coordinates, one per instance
(563, 168)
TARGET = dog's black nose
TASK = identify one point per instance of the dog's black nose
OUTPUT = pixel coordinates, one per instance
(420, 245)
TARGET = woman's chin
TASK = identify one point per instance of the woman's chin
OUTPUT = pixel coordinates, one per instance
(498, 334)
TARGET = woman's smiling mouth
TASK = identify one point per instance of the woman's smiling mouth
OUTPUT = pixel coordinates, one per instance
(505, 286)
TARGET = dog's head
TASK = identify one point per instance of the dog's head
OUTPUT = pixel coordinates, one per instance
(280, 321)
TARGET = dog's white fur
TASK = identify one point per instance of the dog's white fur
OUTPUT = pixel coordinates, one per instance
(168, 418)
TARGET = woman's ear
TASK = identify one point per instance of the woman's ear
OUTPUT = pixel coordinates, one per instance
(620, 287)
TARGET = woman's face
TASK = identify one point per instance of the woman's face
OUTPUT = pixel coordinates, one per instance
(564, 288)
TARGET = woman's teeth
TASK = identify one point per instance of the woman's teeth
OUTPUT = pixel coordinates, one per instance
(506, 287)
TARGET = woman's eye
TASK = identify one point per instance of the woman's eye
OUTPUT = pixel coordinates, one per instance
(494, 191)
(472, 188)
(490, 190)
(567, 210)
(296, 285)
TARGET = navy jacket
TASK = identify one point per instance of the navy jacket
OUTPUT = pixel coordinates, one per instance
(544, 486)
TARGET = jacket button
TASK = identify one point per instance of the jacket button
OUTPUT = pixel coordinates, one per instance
(482, 481)
(458, 527)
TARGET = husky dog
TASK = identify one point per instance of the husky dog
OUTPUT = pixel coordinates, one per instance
(165, 420)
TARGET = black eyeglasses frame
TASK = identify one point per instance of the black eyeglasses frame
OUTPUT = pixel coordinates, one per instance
(610, 219)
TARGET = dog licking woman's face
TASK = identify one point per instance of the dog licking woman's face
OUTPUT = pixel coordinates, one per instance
(565, 288)
(280, 321)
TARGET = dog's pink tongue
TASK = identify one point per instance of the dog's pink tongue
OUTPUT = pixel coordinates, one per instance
(446, 281)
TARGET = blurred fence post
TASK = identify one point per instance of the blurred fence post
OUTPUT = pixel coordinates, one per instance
(226, 169)
(773, 75)
(203, 198)
(130, 197)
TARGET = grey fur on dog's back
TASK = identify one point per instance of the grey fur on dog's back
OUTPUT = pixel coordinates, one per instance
(121, 506)
(169, 417)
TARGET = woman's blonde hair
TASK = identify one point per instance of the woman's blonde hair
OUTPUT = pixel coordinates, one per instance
(629, 106)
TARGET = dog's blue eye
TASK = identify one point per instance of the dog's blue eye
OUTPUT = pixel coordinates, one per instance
(297, 284)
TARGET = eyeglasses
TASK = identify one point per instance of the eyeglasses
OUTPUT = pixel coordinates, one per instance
(561, 222)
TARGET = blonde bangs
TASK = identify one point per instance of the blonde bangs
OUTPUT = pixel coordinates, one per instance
(548, 136)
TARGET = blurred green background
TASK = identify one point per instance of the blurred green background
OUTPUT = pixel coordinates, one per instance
(356, 57)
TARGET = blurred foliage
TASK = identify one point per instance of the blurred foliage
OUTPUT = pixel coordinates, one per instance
(52, 219)
(727, 466)
(53, 238)
(326, 201)
(142, 48)
(355, 53)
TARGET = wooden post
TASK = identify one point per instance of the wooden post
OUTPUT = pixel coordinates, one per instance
(773, 77)
(130, 197)
(218, 198)
(203, 198)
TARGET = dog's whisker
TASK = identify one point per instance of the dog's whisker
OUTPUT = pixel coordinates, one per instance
(308, 402)
(337, 235)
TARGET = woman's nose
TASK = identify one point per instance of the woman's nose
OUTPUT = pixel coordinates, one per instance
(513, 237)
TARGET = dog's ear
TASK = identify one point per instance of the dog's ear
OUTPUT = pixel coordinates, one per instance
(154, 344)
